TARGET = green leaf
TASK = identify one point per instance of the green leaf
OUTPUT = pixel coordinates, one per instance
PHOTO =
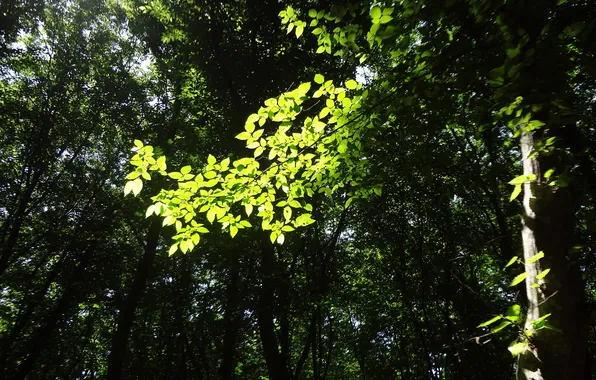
(233, 231)
(516, 348)
(522, 179)
(137, 185)
(128, 187)
(211, 215)
(351, 84)
(280, 239)
(540, 320)
(501, 326)
(385, 19)
(519, 278)
(133, 175)
(535, 124)
(253, 118)
(516, 191)
(378, 190)
(248, 209)
(273, 236)
(149, 211)
(185, 169)
(196, 238)
(512, 261)
(375, 13)
(512, 53)
(210, 174)
(138, 143)
(183, 246)
(287, 213)
(498, 72)
(490, 321)
(513, 313)
(543, 274)
(299, 30)
(312, 13)
(258, 151)
(175, 175)
(319, 79)
(161, 163)
(535, 258)
(243, 136)
(173, 249)
(168, 220)
(211, 160)
(303, 88)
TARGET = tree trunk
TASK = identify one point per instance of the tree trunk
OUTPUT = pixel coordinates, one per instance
(118, 352)
(276, 366)
(232, 321)
(547, 226)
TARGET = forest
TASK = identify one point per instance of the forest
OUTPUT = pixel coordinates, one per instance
(293, 189)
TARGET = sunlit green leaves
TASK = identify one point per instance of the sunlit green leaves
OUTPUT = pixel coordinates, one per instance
(291, 174)
(518, 279)
(351, 84)
(375, 13)
(535, 258)
(522, 179)
(512, 261)
(542, 274)
(513, 313)
(515, 193)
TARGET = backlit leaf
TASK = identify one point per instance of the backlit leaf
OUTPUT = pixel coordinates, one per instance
(519, 278)
(512, 261)
(535, 258)
(543, 274)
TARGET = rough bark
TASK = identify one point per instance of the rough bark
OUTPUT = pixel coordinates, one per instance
(547, 226)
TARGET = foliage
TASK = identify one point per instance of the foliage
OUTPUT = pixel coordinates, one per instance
(376, 144)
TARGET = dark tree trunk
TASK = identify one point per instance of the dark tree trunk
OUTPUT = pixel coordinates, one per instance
(119, 351)
(276, 366)
(232, 320)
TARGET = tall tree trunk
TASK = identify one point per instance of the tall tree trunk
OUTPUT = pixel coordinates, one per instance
(547, 226)
(276, 366)
(232, 320)
(119, 350)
